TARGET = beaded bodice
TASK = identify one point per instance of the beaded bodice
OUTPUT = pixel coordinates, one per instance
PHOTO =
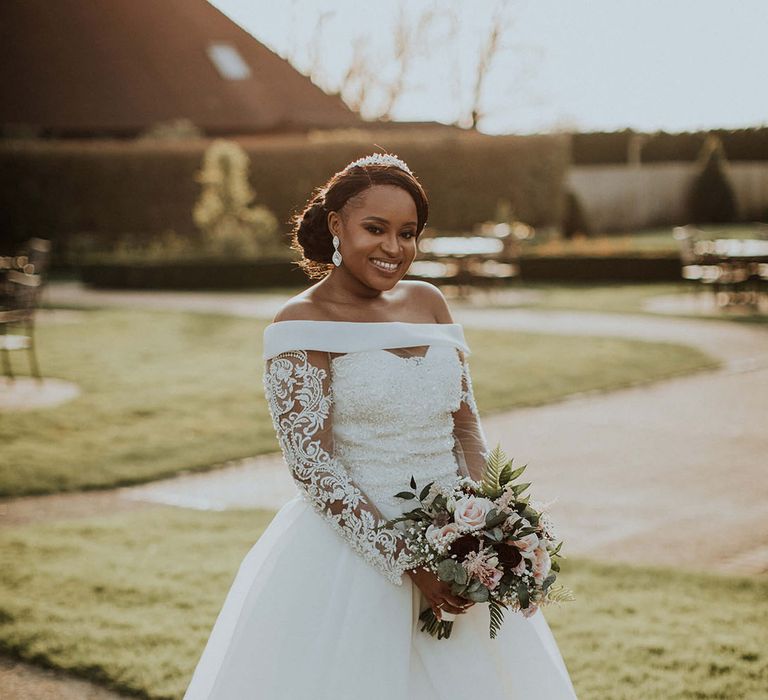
(393, 419)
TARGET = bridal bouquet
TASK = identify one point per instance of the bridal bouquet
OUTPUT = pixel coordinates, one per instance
(488, 541)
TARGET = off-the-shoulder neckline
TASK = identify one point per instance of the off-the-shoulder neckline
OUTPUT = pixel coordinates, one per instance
(365, 323)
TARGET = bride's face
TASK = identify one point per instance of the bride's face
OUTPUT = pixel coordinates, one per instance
(377, 235)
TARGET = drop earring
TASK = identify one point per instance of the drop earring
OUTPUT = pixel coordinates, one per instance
(336, 254)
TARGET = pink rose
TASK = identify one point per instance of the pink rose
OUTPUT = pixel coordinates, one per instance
(470, 512)
(441, 537)
(527, 545)
(495, 578)
(541, 564)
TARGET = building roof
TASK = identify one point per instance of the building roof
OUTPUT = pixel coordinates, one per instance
(79, 68)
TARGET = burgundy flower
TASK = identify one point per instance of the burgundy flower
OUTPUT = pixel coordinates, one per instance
(509, 555)
(463, 546)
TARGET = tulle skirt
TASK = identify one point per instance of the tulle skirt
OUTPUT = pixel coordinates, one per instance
(306, 617)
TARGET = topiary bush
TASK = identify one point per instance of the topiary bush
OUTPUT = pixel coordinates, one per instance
(711, 198)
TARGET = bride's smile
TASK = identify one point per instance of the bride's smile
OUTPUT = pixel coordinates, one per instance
(377, 231)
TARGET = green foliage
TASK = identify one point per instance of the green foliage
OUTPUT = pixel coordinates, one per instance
(497, 460)
(496, 612)
(231, 224)
(560, 593)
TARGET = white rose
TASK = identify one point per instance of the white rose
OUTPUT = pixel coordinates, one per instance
(441, 537)
(470, 512)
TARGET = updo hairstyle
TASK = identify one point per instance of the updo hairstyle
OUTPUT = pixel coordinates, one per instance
(310, 234)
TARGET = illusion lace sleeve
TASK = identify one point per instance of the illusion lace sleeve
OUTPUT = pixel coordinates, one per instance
(470, 445)
(299, 394)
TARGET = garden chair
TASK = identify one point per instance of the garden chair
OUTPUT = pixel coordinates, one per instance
(20, 287)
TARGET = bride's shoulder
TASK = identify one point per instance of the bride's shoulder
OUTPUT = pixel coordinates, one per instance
(301, 307)
(425, 294)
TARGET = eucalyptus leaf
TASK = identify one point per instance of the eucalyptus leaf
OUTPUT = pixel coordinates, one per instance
(479, 596)
(458, 589)
(446, 569)
(475, 585)
(405, 494)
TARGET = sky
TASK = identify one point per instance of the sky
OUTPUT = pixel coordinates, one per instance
(589, 65)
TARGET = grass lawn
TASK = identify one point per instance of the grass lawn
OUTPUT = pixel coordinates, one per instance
(129, 600)
(608, 297)
(165, 392)
(622, 298)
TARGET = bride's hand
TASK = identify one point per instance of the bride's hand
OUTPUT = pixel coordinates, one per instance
(438, 593)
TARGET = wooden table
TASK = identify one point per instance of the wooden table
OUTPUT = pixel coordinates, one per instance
(733, 249)
(464, 261)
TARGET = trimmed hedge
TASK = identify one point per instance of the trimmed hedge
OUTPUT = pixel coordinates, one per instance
(197, 275)
(738, 144)
(112, 188)
(207, 275)
(628, 268)
(601, 147)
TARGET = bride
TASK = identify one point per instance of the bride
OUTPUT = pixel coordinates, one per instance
(367, 381)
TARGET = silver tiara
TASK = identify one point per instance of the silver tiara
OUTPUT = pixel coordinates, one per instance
(381, 159)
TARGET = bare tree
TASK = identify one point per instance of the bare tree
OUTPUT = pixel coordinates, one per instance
(359, 80)
(409, 44)
(373, 84)
(315, 67)
(501, 24)
(364, 85)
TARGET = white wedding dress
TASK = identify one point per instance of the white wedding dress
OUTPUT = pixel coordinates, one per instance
(320, 607)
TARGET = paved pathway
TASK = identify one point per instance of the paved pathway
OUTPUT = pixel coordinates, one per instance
(23, 681)
(672, 472)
